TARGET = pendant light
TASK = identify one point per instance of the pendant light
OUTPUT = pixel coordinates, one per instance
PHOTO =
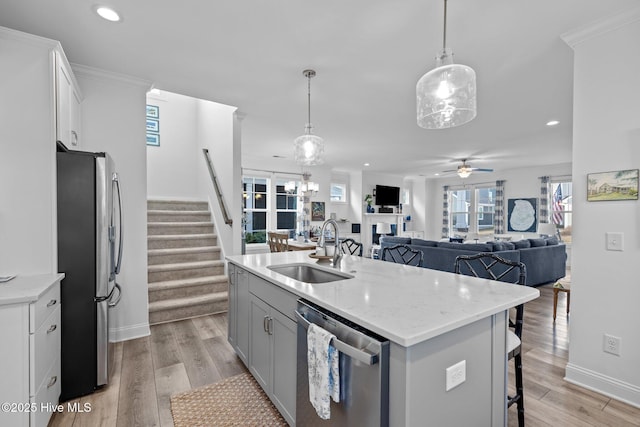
(446, 95)
(308, 148)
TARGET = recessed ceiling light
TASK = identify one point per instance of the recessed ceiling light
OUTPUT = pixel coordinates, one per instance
(436, 174)
(108, 13)
(367, 164)
(552, 122)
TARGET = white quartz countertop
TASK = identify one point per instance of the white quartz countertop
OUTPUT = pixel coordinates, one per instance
(27, 288)
(407, 305)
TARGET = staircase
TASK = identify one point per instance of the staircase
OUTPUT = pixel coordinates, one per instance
(185, 273)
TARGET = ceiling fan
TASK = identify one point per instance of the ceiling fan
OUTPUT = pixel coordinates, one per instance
(464, 170)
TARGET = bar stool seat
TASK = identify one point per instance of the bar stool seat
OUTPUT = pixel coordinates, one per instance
(562, 285)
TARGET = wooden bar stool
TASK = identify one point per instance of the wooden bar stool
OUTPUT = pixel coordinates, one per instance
(561, 286)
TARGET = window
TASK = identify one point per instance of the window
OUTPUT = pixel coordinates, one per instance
(472, 210)
(338, 193)
(286, 206)
(485, 205)
(561, 207)
(460, 200)
(255, 196)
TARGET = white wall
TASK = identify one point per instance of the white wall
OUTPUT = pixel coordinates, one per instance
(113, 120)
(28, 242)
(215, 126)
(606, 138)
(171, 167)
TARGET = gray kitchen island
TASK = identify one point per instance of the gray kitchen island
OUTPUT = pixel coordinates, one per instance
(433, 321)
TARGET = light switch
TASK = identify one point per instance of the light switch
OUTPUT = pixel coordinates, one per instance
(615, 241)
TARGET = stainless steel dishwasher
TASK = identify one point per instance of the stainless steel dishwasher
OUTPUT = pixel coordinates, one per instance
(364, 371)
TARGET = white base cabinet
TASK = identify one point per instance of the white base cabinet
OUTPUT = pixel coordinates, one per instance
(30, 359)
(238, 333)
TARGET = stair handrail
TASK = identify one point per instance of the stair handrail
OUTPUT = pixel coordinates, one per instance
(216, 187)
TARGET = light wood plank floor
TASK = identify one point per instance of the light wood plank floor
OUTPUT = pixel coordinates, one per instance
(183, 355)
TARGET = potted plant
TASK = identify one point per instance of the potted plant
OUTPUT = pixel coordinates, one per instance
(369, 198)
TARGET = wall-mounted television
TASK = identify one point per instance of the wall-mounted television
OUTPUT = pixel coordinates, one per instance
(387, 196)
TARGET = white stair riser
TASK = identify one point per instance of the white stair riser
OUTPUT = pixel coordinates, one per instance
(181, 243)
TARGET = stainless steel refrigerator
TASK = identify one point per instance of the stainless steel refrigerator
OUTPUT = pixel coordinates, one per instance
(90, 237)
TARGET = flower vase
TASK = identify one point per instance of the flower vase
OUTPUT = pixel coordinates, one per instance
(370, 209)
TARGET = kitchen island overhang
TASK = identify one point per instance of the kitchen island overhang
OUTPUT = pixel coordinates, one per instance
(433, 319)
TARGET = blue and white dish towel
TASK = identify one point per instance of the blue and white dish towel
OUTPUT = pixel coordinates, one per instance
(324, 376)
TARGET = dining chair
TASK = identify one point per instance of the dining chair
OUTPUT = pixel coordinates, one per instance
(278, 242)
(351, 247)
(402, 254)
(495, 267)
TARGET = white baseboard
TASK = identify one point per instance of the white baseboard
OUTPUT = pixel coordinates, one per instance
(616, 389)
(126, 333)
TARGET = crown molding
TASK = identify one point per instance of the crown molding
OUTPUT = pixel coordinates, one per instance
(19, 36)
(97, 73)
(600, 27)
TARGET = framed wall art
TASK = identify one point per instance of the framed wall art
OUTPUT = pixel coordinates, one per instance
(153, 111)
(609, 186)
(523, 215)
(317, 211)
(153, 139)
(153, 125)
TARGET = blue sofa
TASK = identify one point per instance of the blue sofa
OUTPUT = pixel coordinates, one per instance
(545, 258)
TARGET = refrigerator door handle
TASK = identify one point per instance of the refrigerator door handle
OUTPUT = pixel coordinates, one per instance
(114, 303)
(118, 265)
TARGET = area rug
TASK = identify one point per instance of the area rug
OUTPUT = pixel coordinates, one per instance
(234, 401)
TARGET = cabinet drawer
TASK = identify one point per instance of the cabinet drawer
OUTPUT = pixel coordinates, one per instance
(45, 348)
(43, 308)
(49, 392)
(283, 301)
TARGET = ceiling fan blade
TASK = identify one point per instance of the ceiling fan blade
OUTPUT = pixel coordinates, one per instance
(481, 170)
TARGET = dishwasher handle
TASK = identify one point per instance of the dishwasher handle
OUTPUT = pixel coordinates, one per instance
(355, 353)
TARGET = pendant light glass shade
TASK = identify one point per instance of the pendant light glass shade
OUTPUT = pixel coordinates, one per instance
(446, 95)
(308, 148)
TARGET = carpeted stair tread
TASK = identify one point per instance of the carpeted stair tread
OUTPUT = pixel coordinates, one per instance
(183, 236)
(173, 251)
(176, 205)
(184, 265)
(194, 281)
(187, 301)
(180, 224)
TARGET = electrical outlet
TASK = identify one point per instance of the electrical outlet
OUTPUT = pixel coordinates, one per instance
(612, 344)
(615, 241)
(456, 374)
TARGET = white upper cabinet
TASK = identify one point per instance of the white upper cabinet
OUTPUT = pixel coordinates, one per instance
(68, 105)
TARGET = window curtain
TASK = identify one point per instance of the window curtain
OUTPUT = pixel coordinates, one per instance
(544, 199)
(498, 220)
(445, 211)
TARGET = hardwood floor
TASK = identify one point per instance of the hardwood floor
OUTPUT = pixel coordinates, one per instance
(188, 354)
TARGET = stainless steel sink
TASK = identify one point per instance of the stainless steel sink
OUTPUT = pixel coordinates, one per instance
(308, 273)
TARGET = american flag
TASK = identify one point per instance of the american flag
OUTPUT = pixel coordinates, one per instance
(557, 205)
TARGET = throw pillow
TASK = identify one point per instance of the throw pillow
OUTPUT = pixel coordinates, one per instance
(509, 246)
(535, 243)
(498, 246)
(553, 240)
(522, 244)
